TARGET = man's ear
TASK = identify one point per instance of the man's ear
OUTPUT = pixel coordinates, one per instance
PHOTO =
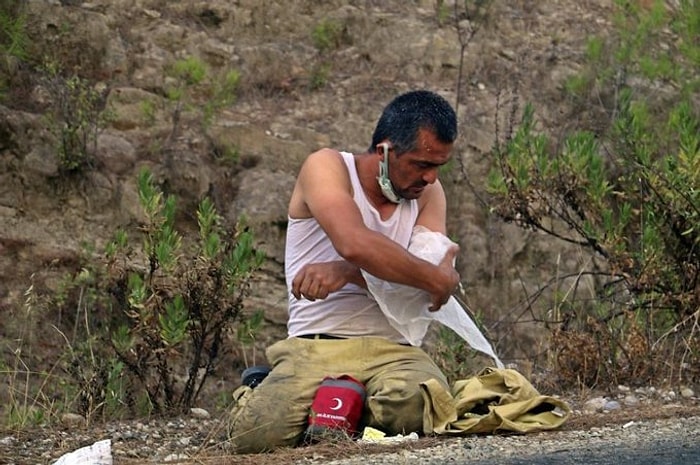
(384, 146)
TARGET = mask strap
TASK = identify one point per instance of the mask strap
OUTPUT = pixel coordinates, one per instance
(383, 178)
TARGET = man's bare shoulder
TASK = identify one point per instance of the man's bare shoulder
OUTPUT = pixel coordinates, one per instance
(324, 156)
(322, 174)
(324, 164)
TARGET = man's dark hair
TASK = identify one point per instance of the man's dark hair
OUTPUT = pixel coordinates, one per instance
(404, 116)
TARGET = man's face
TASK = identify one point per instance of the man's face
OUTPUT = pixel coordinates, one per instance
(411, 171)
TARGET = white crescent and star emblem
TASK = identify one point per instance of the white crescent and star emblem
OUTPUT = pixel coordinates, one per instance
(338, 404)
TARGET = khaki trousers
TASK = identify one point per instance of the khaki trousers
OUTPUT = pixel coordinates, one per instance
(275, 413)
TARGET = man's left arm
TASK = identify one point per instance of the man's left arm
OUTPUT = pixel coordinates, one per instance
(433, 208)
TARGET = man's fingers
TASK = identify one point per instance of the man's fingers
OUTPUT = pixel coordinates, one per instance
(297, 284)
(306, 291)
(436, 304)
(303, 286)
(295, 287)
(317, 280)
(451, 254)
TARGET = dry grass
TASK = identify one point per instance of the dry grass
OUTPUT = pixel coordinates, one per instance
(326, 451)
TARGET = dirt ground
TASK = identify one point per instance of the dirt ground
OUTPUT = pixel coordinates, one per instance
(203, 441)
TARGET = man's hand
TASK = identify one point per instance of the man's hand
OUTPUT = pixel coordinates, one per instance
(446, 281)
(317, 280)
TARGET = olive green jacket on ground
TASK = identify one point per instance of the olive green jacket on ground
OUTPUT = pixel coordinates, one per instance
(494, 400)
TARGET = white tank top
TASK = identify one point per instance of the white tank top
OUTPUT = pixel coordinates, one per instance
(351, 311)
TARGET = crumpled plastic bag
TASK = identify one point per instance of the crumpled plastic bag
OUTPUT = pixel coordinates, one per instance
(99, 453)
(406, 307)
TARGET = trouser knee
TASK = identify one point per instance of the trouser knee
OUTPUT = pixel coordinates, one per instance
(257, 424)
(397, 412)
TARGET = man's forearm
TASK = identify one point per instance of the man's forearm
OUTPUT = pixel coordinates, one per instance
(387, 260)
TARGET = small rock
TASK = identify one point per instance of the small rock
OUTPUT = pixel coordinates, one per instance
(631, 399)
(594, 405)
(611, 405)
(623, 388)
(508, 54)
(127, 435)
(199, 413)
(72, 420)
(687, 393)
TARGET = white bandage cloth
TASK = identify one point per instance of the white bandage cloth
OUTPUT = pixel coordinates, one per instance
(406, 307)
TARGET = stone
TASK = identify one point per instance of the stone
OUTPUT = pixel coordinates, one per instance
(72, 420)
(201, 413)
(611, 405)
(594, 405)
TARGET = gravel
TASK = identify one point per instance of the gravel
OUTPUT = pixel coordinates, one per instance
(200, 439)
(486, 449)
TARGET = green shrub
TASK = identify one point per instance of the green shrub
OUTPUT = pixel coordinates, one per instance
(14, 41)
(630, 195)
(191, 87)
(166, 309)
(328, 35)
(223, 94)
(76, 116)
(319, 75)
(180, 309)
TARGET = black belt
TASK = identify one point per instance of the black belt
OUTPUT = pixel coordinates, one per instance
(320, 336)
(330, 336)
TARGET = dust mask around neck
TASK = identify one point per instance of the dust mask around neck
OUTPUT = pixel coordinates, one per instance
(383, 178)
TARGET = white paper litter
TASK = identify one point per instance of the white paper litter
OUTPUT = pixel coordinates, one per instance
(99, 453)
(406, 307)
(375, 436)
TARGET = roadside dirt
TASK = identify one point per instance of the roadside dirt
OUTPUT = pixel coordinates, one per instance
(195, 441)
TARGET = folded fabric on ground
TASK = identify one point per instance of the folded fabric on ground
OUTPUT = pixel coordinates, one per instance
(494, 400)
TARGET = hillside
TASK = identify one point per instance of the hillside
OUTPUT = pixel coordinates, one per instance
(279, 115)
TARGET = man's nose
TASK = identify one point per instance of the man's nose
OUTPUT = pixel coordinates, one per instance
(430, 176)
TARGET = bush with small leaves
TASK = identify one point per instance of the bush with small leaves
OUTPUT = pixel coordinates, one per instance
(627, 190)
(164, 307)
(181, 305)
(76, 118)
